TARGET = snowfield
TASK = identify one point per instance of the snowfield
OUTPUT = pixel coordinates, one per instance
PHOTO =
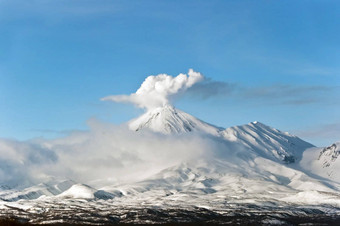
(251, 172)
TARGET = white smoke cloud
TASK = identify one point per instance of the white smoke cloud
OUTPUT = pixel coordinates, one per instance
(156, 91)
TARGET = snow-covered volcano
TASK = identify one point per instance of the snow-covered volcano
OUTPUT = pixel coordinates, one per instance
(168, 120)
(256, 136)
(252, 164)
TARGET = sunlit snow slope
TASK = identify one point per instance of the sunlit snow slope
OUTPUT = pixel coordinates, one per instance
(267, 141)
(323, 161)
(50, 188)
(168, 120)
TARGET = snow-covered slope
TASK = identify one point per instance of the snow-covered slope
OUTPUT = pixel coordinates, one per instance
(50, 188)
(329, 155)
(168, 120)
(262, 139)
(323, 161)
(83, 191)
(267, 141)
(254, 180)
(244, 164)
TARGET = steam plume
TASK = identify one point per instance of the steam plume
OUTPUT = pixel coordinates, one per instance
(155, 91)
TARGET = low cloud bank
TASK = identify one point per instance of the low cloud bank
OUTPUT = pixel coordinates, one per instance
(106, 154)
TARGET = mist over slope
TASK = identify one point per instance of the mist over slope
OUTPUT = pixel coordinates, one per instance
(165, 150)
(167, 161)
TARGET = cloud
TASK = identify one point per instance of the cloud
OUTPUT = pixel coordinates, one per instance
(319, 71)
(209, 88)
(279, 90)
(283, 94)
(157, 90)
(23, 161)
(279, 94)
(104, 155)
(324, 132)
(162, 89)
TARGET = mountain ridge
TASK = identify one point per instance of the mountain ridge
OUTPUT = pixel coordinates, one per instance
(255, 135)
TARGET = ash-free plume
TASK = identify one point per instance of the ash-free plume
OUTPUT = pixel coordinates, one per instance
(156, 91)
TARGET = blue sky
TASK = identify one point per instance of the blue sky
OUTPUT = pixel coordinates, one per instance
(272, 61)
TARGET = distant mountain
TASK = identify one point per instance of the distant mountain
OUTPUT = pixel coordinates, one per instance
(83, 191)
(50, 188)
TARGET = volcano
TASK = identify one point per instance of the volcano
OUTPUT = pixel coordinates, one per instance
(247, 169)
